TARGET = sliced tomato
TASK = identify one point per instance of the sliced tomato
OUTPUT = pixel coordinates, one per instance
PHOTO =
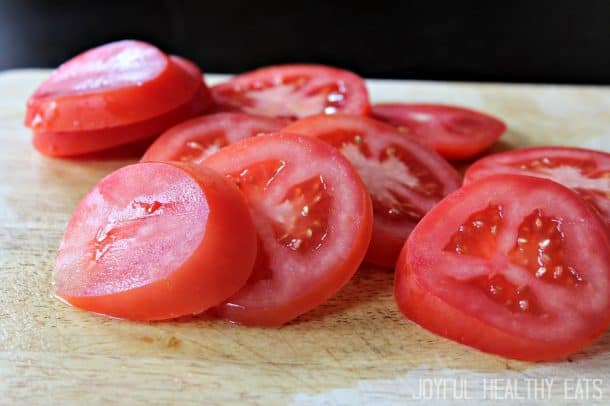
(197, 139)
(512, 265)
(155, 241)
(313, 217)
(113, 85)
(72, 143)
(187, 65)
(293, 92)
(405, 178)
(585, 171)
(454, 132)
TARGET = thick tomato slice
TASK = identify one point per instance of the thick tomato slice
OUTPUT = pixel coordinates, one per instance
(454, 132)
(72, 143)
(404, 177)
(313, 217)
(113, 85)
(197, 139)
(293, 92)
(150, 250)
(585, 171)
(512, 265)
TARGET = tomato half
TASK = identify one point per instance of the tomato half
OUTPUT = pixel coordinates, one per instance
(72, 143)
(405, 178)
(113, 85)
(155, 241)
(454, 132)
(585, 171)
(293, 92)
(313, 217)
(512, 265)
(197, 139)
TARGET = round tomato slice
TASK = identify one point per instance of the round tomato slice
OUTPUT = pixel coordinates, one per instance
(313, 217)
(293, 92)
(405, 178)
(113, 85)
(199, 138)
(72, 143)
(454, 132)
(512, 265)
(150, 250)
(585, 171)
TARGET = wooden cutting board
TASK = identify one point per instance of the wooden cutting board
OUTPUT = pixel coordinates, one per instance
(357, 348)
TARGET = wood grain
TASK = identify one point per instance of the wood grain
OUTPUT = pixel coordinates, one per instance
(356, 348)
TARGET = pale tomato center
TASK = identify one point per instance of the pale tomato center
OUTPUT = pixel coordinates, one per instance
(290, 98)
(390, 176)
(196, 150)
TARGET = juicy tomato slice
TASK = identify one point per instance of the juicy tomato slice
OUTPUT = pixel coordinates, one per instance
(293, 92)
(501, 266)
(113, 85)
(73, 143)
(454, 132)
(585, 171)
(145, 250)
(199, 138)
(313, 218)
(405, 178)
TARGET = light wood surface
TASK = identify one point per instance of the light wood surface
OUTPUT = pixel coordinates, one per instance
(355, 349)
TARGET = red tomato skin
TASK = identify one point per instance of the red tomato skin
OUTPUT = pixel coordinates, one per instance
(433, 313)
(116, 107)
(218, 268)
(359, 104)
(164, 148)
(458, 149)
(439, 317)
(74, 143)
(279, 315)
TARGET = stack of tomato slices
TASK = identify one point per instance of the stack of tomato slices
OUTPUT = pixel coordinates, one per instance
(264, 208)
(114, 95)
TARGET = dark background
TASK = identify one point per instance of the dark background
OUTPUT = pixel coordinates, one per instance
(517, 41)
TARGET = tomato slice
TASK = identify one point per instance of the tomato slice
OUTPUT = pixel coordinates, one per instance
(405, 178)
(72, 143)
(454, 132)
(313, 217)
(150, 250)
(501, 266)
(293, 92)
(113, 85)
(199, 138)
(585, 171)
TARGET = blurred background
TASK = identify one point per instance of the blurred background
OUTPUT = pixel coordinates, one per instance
(509, 41)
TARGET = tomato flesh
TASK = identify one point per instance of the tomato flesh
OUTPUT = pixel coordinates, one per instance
(113, 85)
(499, 266)
(454, 132)
(145, 250)
(587, 172)
(313, 217)
(294, 91)
(405, 179)
(199, 138)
